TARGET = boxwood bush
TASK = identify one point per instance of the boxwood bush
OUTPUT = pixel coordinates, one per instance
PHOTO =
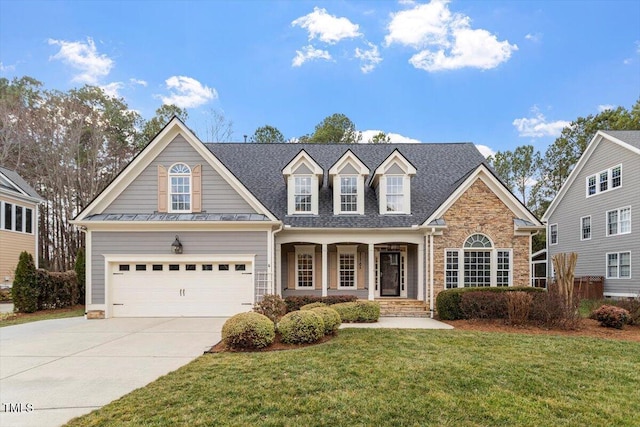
(248, 331)
(448, 302)
(330, 317)
(313, 305)
(611, 316)
(358, 311)
(301, 327)
(295, 302)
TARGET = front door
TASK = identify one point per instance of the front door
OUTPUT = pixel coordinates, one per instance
(389, 274)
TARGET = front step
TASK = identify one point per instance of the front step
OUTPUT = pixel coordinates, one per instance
(403, 308)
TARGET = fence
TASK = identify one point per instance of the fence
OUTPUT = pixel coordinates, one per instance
(588, 287)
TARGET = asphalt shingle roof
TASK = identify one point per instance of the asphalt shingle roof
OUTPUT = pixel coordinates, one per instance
(440, 170)
(18, 181)
(631, 137)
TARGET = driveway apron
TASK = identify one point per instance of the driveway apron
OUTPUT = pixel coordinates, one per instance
(54, 370)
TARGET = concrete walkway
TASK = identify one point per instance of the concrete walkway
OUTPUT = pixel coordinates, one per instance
(54, 370)
(401, 323)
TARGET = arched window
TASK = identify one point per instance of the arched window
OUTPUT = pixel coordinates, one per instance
(477, 264)
(180, 188)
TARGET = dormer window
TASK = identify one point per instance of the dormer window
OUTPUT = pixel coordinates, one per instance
(347, 177)
(180, 188)
(392, 180)
(304, 177)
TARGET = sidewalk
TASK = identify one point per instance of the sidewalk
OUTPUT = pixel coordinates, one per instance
(401, 323)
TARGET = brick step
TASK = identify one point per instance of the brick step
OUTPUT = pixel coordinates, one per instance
(416, 314)
(403, 308)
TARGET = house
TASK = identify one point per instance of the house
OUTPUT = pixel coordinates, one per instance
(193, 229)
(18, 222)
(594, 213)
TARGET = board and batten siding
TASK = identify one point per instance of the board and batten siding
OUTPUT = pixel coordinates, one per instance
(141, 197)
(575, 205)
(150, 243)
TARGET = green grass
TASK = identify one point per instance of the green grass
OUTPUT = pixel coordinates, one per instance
(8, 319)
(378, 377)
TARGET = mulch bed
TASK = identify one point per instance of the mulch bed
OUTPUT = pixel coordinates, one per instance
(14, 316)
(276, 346)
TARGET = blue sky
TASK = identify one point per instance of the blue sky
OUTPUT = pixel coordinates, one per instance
(496, 73)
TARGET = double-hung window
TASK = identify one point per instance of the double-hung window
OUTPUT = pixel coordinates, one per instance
(347, 267)
(395, 193)
(585, 228)
(348, 194)
(619, 221)
(553, 234)
(619, 265)
(302, 194)
(605, 180)
(180, 188)
(305, 257)
(478, 264)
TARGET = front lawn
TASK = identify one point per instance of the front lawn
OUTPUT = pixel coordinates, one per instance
(10, 319)
(378, 377)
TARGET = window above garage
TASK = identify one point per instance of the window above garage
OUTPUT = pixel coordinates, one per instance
(179, 188)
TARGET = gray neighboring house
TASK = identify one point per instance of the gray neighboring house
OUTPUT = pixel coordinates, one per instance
(596, 213)
(195, 229)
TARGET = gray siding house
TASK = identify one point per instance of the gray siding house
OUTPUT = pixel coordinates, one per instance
(596, 213)
(204, 229)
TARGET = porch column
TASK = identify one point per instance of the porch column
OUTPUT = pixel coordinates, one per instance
(371, 272)
(325, 270)
(277, 279)
(421, 255)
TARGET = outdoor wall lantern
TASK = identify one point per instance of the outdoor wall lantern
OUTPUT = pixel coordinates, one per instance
(176, 246)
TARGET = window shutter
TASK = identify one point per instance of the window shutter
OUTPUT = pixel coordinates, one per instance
(163, 197)
(196, 176)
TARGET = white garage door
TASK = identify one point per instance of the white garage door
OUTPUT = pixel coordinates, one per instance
(169, 289)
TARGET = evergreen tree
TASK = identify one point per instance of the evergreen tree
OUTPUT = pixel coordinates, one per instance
(25, 286)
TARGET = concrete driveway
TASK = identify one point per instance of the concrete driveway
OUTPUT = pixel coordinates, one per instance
(54, 370)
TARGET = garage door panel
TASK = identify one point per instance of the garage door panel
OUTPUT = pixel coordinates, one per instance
(198, 291)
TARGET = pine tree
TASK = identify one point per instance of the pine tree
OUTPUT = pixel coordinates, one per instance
(25, 286)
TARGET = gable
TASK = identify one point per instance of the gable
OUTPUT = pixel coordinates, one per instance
(348, 169)
(141, 196)
(395, 169)
(303, 169)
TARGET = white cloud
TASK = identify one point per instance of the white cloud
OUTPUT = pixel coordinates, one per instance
(484, 150)
(535, 38)
(538, 126)
(6, 68)
(84, 57)
(606, 107)
(445, 41)
(309, 53)
(138, 82)
(327, 28)
(186, 92)
(112, 89)
(370, 58)
(396, 138)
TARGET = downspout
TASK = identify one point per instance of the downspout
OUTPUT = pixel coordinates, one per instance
(431, 272)
(273, 256)
(531, 278)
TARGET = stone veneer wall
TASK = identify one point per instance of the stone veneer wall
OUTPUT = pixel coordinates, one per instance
(479, 210)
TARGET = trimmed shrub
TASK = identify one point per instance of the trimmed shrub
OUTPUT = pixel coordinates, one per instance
(56, 290)
(295, 302)
(80, 269)
(518, 307)
(25, 286)
(313, 305)
(611, 316)
(272, 306)
(448, 301)
(633, 307)
(358, 311)
(330, 317)
(248, 331)
(301, 327)
(483, 305)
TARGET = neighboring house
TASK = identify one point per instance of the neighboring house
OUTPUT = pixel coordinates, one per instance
(18, 222)
(193, 229)
(596, 213)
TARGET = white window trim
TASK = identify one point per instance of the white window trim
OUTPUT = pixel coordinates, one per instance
(406, 193)
(170, 192)
(348, 250)
(610, 186)
(457, 267)
(582, 238)
(493, 283)
(291, 190)
(606, 265)
(13, 218)
(309, 250)
(549, 236)
(337, 192)
(606, 221)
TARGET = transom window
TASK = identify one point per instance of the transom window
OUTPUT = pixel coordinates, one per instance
(619, 221)
(606, 180)
(619, 265)
(477, 264)
(585, 228)
(395, 193)
(347, 271)
(349, 194)
(304, 267)
(180, 188)
(302, 193)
